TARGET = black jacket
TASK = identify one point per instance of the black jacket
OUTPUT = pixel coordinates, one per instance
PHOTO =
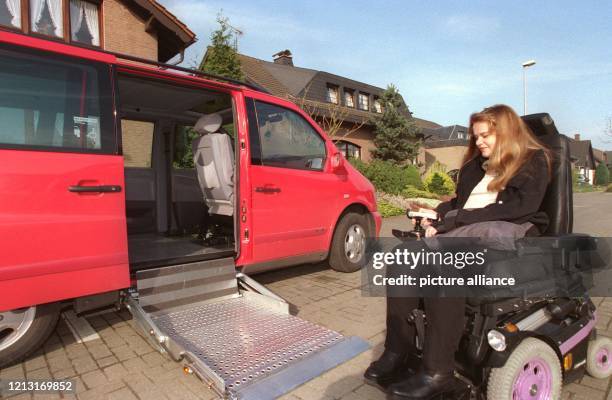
(518, 202)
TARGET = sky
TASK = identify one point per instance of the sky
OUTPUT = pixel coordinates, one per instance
(448, 58)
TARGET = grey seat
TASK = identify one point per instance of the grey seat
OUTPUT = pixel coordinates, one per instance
(214, 163)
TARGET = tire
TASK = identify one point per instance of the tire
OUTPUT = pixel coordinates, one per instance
(347, 253)
(599, 358)
(28, 330)
(532, 372)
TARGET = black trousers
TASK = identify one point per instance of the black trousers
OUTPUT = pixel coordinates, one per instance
(445, 323)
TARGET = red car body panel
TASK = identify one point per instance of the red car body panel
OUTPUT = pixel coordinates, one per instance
(60, 245)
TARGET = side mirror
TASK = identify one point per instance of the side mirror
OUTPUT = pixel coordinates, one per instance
(337, 162)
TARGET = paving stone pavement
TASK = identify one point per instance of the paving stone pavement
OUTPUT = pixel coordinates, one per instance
(121, 365)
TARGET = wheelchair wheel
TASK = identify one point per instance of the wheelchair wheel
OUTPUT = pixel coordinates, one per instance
(599, 358)
(532, 372)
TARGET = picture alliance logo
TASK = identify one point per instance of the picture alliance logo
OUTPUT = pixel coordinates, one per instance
(411, 259)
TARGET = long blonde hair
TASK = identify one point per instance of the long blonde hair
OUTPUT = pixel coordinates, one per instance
(515, 144)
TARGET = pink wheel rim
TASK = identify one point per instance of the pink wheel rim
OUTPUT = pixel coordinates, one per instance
(534, 381)
(602, 358)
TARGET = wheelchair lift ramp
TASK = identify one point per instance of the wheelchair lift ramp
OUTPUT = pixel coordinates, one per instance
(244, 345)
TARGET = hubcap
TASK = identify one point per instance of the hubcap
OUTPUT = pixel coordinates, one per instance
(534, 381)
(603, 359)
(14, 324)
(354, 243)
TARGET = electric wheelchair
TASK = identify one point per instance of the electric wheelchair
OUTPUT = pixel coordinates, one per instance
(524, 346)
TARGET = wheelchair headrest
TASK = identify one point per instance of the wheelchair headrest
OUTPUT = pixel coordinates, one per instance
(557, 202)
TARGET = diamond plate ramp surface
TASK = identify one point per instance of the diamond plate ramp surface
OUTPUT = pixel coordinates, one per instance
(259, 353)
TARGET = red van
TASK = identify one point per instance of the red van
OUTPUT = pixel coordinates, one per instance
(111, 167)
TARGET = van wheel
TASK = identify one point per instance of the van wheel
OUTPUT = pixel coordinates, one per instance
(347, 253)
(24, 330)
(532, 372)
(599, 358)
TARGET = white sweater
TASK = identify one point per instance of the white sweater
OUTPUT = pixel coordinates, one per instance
(480, 197)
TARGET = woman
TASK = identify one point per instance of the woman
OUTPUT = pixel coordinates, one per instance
(504, 177)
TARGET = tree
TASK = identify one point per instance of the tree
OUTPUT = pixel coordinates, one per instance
(602, 175)
(331, 117)
(222, 57)
(396, 135)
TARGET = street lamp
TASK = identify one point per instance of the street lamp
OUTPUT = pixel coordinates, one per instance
(526, 65)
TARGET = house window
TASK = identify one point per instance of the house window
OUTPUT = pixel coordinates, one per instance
(349, 98)
(10, 13)
(378, 106)
(364, 101)
(84, 22)
(332, 94)
(348, 149)
(46, 17)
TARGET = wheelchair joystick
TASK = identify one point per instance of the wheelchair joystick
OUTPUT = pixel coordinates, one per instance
(418, 231)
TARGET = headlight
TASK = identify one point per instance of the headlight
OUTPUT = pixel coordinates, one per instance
(496, 340)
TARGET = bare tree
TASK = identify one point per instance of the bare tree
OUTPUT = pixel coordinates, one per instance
(331, 117)
(608, 130)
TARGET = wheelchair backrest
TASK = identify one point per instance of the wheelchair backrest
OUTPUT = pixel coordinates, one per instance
(557, 202)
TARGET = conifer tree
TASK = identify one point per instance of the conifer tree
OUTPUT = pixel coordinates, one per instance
(222, 57)
(396, 135)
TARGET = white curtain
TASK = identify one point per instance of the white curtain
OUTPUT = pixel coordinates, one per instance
(55, 9)
(36, 9)
(91, 17)
(14, 7)
(76, 17)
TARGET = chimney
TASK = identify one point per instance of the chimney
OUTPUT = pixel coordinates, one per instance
(576, 136)
(283, 57)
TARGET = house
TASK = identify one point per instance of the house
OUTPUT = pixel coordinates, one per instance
(446, 145)
(327, 97)
(141, 28)
(583, 158)
(608, 158)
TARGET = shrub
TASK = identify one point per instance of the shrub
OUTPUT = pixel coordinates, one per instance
(602, 175)
(359, 165)
(439, 183)
(387, 210)
(412, 192)
(574, 177)
(609, 189)
(389, 177)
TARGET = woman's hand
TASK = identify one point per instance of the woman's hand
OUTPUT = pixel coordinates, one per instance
(425, 222)
(430, 231)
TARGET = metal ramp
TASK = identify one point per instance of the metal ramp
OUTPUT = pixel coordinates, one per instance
(239, 339)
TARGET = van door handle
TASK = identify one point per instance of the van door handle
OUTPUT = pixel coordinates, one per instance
(95, 189)
(264, 189)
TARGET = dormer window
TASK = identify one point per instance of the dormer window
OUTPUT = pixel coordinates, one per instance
(10, 13)
(84, 22)
(364, 101)
(349, 98)
(332, 94)
(46, 17)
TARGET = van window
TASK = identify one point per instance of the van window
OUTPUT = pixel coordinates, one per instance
(50, 103)
(137, 140)
(288, 140)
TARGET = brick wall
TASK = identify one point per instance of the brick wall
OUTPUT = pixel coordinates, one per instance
(124, 32)
(137, 139)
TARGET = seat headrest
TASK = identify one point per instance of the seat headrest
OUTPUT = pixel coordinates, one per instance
(209, 123)
(558, 200)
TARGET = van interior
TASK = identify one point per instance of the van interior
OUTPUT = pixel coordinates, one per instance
(179, 158)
